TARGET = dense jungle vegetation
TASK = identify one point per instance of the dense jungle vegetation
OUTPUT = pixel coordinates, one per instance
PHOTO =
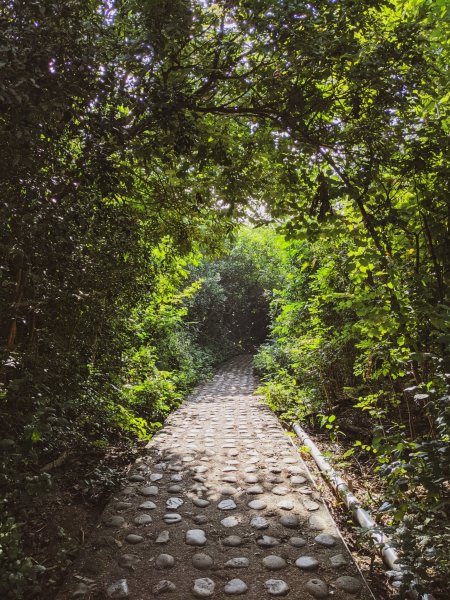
(184, 180)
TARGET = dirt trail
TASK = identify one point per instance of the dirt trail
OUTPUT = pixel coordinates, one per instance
(220, 506)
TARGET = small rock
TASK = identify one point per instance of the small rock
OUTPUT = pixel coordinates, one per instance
(338, 561)
(307, 563)
(135, 478)
(324, 539)
(200, 502)
(123, 505)
(195, 537)
(149, 490)
(255, 489)
(142, 520)
(200, 519)
(165, 561)
(274, 563)
(164, 586)
(285, 504)
(147, 505)
(174, 503)
(266, 541)
(290, 521)
(114, 521)
(317, 588)
(203, 588)
(132, 538)
(251, 478)
(155, 477)
(163, 537)
(118, 589)
(174, 489)
(257, 505)
(235, 587)
(176, 477)
(230, 522)
(280, 491)
(259, 523)
(237, 563)
(172, 518)
(297, 542)
(310, 504)
(316, 523)
(348, 584)
(228, 491)
(232, 540)
(227, 504)
(276, 587)
(297, 479)
(202, 561)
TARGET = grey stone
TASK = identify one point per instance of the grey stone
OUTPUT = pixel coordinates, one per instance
(257, 504)
(203, 588)
(259, 523)
(280, 491)
(310, 504)
(255, 489)
(290, 521)
(285, 504)
(228, 491)
(118, 589)
(266, 541)
(172, 518)
(147, 505)
(176, 477)
(274, 563)
(174, 489)
(155, 477)
(239, 562)
(142, 519)
(276, 587)
(297, 479)
(297, 542)
(348, 584)
(132, 538)
(338, 561)
(136, 478)
(202, 561)
(200, 519)
(114, 521)
(235, 587)
(163, 587)
(163, 537)
(307, 563)
(316, 523)
(149, 490)
(165, 561)
(229, 479)
(232, 540)
(200, 502)
(251, 478)
(174, 503)
(227, 504)
(230, 522)
(317, 588)
(195, 537)
(123, 505)
(325, 539)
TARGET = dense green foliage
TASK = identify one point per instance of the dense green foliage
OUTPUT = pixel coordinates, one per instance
(135, 136)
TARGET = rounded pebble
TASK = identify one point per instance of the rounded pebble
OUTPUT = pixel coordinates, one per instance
(142, 519)
(266, 541)
(132, 538)
(239, 562)
(276, 587)
(230, 522)
(338, 560)
(172, 518)
(147, 505)
(307, 563)
(227, 504)
(195, 537)
(348, 584)
(164, 586)
(118, 589)
(162, 538)
(257, 505)
(232, 540)
(317, 588)
(114, 521)
(202, 561)
(203, 588)
(297, 542)
(174, 503)
(259, 523)
(325, 539)
(274, 563)
(235, 587)
(290, 521)
(149, 490)
(165, 561)
(200, 502)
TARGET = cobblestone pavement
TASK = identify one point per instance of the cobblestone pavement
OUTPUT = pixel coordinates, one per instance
(221, 505)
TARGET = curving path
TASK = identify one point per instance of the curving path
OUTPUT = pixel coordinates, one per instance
(220, 506)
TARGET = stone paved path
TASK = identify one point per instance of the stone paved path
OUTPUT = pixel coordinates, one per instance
(220, 506)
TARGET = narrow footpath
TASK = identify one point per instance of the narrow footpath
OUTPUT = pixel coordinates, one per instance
(221, 505)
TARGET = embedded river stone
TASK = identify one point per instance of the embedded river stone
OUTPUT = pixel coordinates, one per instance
(203, 588)
(255, 489)
(150, 490)
(114, 521)
(174, 503)
(290, 521)
(142, 519)
(195, 537)
(136, 478)
(317, 588)
(172, 518)
(155, 477)
(266, 541)
(232, 540)
(227, 504)
(276, 587)
(230, 522)
(297, 542)
(163, 537)
(257, 504)
(274, 563)
(200, 502)
(163, 587)
(259, 523)
(165, 561)
(235, 587)
(325, 539)
(239, 562)
(202, 561)
(132, 538)
(118, 589)
(348, 584)
(338, 561)
(147, 505)
(307, 563)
